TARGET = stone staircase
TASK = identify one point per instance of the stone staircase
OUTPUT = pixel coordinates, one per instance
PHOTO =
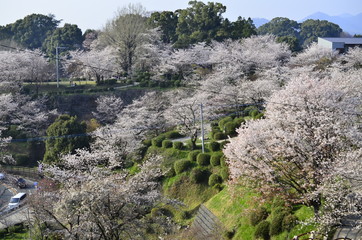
(206, 225)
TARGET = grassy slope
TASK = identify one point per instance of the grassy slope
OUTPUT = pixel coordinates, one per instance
(233, 208)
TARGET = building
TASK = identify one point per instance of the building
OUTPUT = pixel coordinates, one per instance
(340, 44)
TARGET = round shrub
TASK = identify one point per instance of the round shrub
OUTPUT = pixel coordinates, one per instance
(193, 155)
(214, 146)
(224, 173)
(289, 222)
(157, 141)
(178, 145)
(199, 175)
(223, 162)
(203, 159)
(262, 230)
(230, 128)
(181, 165)
(215, 159)
(173, 135)
(166, 144)
(219, 136)
(276, 224)
(223, 121)
(258, 215)
(238, 121)
(147, 142)
(214, 179)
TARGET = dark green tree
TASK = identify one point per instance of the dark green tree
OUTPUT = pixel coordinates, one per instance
(167, 22)
(198, 23)
(33, 29)
(64, 136)
(280, 27)
(312, 29)
(69, 36)
(292, 42)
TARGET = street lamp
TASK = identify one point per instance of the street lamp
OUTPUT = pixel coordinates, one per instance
(57, 62)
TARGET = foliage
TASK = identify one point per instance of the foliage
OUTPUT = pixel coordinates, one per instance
(276, 223)
(219, 136)
(214, 179)
(203, 159)
(32, 30)
(178, 145)
(224, 173)
(166, 144)
(157, 141)
(289, 222)
(215, 159)
(66, 135)
(214, 146)
(172, 135)
(181, 165)
(258, 215)
(192, 156)
(199, 175)
(311, 29)
(262, 230)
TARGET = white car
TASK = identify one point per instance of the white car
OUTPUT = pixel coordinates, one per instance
(2, 176)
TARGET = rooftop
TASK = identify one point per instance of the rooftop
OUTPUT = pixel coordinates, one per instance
(345, 40)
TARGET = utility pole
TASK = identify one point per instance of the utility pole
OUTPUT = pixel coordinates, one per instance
(57, 62)
(202, 129)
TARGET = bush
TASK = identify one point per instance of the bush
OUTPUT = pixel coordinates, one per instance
(219, 136)
(166, 144)
(214, 146)
(181, 166)
(203, 159)
(224, 173)
(289, 222)
(230, 128)
(214, 179)
(258, 215)
(223, 162)
(173, 135)
(157, 141)
(223, 121)
(193, 155)
(178, 145)
(215, 159)
(199, 175)
(262, 230)
(276, 224)
(239, 121)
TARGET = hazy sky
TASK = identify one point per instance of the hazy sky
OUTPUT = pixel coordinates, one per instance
(93, 14)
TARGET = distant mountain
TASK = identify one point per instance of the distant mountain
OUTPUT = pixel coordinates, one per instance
(349, 23)
(259, 21)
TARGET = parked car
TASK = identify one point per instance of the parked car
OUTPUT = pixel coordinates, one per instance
(21, 183)
(2, 176)
(16, 200)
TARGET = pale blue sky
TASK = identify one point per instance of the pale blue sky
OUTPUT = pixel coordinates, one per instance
(94, 13)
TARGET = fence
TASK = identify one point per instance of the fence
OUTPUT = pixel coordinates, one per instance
(25, 172)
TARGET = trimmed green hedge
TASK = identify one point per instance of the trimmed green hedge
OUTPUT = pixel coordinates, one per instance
(178, 145)
(203, 159)
(214, 179)
(181, 165)
(166, 144)
(193, 155)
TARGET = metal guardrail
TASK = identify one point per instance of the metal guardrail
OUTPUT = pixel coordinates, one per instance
(26, 172)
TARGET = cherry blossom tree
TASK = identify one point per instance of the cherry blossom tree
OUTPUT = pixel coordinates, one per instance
(241, 71)
(100, 204)
(297, 146)
(108, 107)
(94, 64)
(184, 112)
(353, 58)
